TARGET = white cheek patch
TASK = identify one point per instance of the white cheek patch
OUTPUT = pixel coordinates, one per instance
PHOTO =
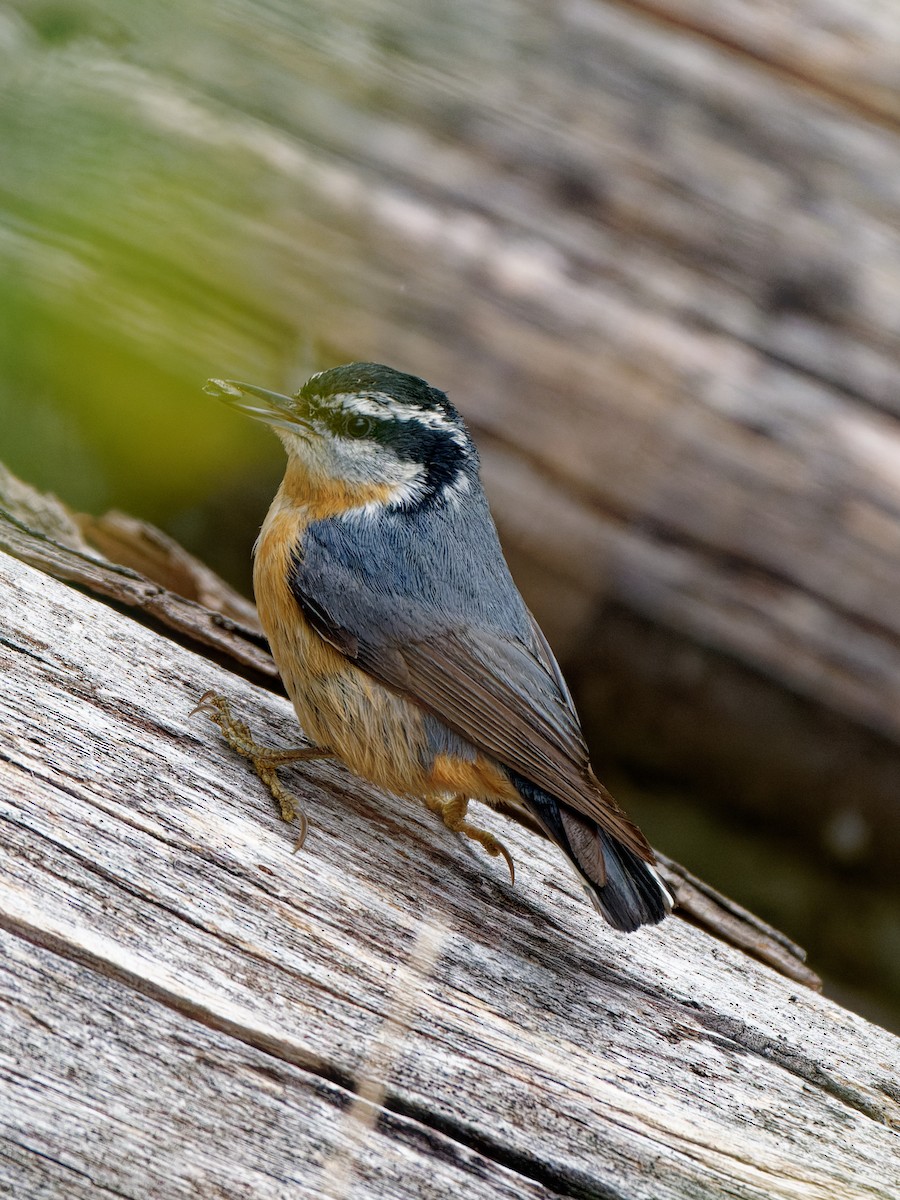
(406, 480)
(364, 463)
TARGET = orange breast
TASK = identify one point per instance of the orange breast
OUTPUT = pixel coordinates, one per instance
(379, 734)
(481, 778)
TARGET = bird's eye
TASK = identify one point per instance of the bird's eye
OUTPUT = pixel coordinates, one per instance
(357, 426)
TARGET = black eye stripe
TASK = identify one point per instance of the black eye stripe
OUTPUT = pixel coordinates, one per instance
(345, 422)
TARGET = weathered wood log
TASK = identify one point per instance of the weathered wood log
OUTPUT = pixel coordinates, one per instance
(656, 268)
(213, 631)
(41, 531)
(190, 1007)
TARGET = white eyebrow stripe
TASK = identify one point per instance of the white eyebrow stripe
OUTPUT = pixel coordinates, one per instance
(384, 406)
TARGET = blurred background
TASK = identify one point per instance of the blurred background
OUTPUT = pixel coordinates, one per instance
(652, 251)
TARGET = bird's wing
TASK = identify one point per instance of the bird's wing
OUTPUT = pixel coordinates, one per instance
(492, 687)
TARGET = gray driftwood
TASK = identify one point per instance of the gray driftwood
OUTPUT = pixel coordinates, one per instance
(66, 545)
(190, 1009)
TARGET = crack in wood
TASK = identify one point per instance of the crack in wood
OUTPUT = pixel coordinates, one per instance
(69, 1167)
(567, 1182)
(734, 1034)
(179, 914)
(353, 1095)
(279, 1048)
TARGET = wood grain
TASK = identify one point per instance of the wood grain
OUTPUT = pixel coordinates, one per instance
(239, 641)
(211, 629)
(152, 1104)
(188, 1002)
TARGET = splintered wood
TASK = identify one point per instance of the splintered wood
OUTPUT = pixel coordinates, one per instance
(191, 1009)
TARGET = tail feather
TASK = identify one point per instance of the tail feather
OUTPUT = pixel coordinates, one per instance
(626, 890)
(633, 894)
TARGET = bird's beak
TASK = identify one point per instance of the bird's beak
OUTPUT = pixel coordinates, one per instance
(280, 412)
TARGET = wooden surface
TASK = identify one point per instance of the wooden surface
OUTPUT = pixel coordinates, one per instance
(189, 1009)
(39, 530)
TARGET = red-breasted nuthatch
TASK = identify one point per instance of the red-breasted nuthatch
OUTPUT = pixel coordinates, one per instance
(401, 638)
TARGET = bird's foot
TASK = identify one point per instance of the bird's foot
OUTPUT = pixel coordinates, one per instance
(265, 759)
(453, 814)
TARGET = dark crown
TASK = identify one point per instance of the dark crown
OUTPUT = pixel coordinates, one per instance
(361, 378)
(437, 437)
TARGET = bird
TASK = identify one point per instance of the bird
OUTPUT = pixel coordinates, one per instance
(402, 641)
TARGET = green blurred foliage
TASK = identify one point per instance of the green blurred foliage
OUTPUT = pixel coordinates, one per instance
(122, 276)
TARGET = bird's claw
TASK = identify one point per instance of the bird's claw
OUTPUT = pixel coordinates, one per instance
(265, 759)
(453, 814)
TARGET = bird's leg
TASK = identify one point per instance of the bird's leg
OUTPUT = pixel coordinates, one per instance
(453, 813)
(265, 759)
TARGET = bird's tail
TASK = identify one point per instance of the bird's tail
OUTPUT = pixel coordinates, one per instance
(624, 888)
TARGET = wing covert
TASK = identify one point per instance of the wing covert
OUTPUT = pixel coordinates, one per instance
(486, 672)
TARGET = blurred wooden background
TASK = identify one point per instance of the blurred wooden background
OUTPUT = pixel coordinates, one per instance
(651, 249)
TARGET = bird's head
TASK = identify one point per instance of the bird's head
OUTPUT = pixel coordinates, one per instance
(370, 428)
